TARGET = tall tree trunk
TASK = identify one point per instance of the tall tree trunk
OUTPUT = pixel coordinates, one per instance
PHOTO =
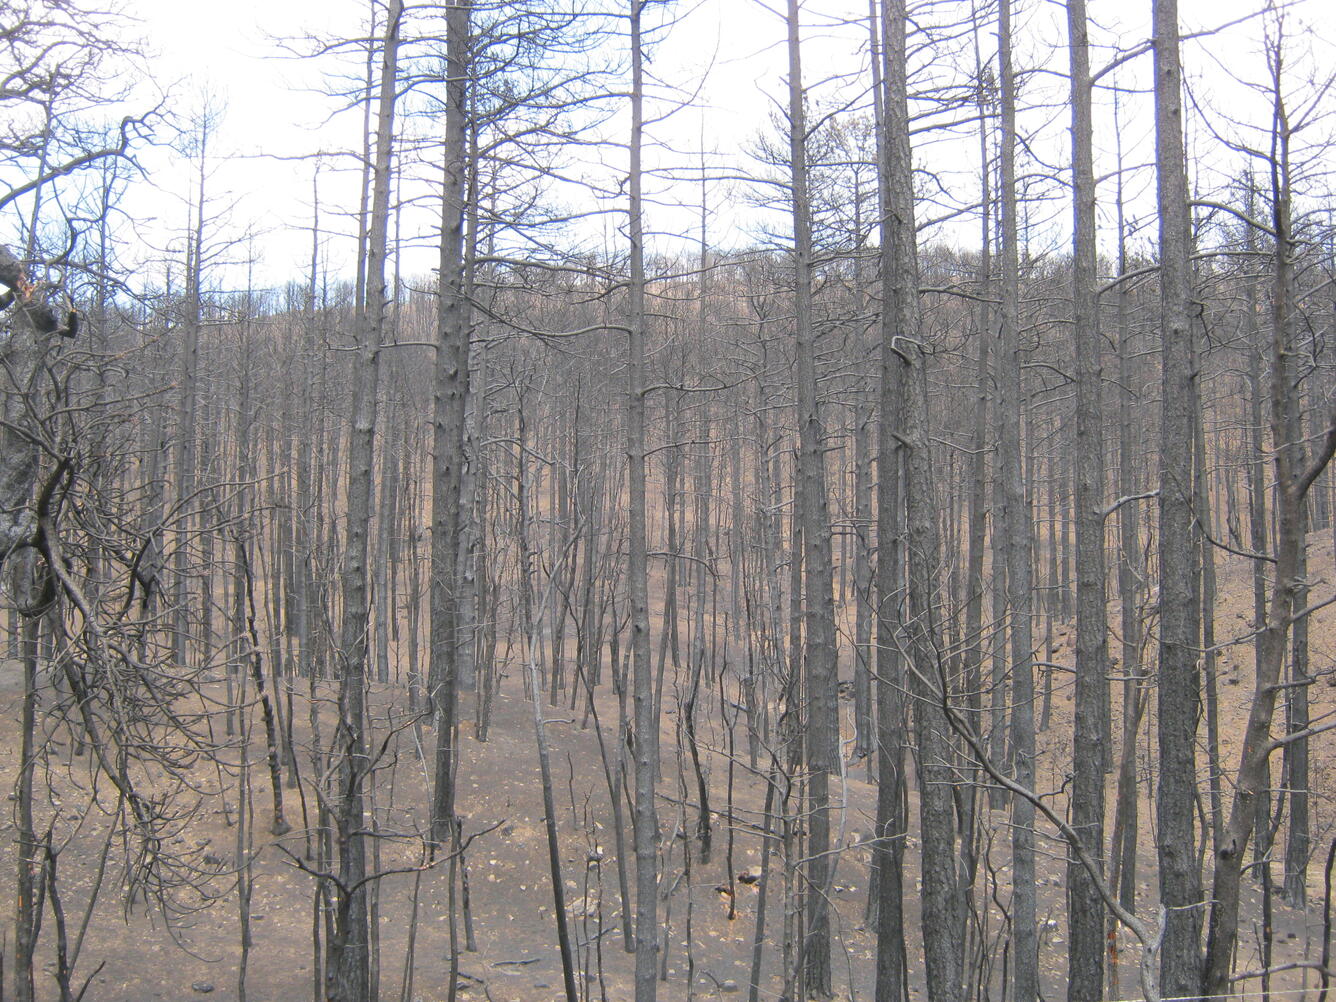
(1295, 762)
(450, 387)
(244, 630)
(1085, 906)
(348, 967)
(892, 976)
(978, 496)
(863, 608)
(185, 446)
(1123, 845)
(646, 716)
(386, 517)
(1179, 685)
(1294, 476)
(821, 744)
(1016, 520)
(904, 433)
(1257, 512)
(1210, 656)
(27, 910)
(701, 488)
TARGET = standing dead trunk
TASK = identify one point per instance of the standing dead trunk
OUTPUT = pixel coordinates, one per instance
(450, 388)
(185, 445)
(244, 614)
(1131, 569)
(1179, 685)
(646, 716)
(1016, 521)
(27, 910)
(819, 645)
(1085, 905)
(386, 517)
(348, 965)
(1258, 534)
(904, 433)
(700, 565)
(1295, 475)
(1295, 756)
(864, 655)
(1210, 656)
(978, 496)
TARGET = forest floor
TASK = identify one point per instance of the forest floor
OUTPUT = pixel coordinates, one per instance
(516, 960)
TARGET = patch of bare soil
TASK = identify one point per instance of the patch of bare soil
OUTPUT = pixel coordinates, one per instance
(709, 944)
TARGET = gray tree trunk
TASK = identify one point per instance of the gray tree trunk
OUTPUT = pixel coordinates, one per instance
(1179, 684)
(1131, 570)
(904, 431)
(1085, 905)
(1016, 521)
(1295, 474)
(978, 491)
(646, 716)
(450, 387)
(348, 966)
(821, 738)
(863, 609)
(185, 445)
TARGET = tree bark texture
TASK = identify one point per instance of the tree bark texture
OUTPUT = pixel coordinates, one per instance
(1179, 682)
(1085, 906)
(449, 404)
(348, 965)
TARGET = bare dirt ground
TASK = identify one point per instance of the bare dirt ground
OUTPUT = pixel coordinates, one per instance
(516, 960)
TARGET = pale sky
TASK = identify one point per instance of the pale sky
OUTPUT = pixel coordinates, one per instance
(273, 111)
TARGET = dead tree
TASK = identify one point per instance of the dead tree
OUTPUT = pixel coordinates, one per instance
(348, 966)
(1179, 686)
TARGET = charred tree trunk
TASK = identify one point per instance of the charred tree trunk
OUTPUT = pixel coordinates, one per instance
(821, 745)
(1019, 529)
(904, 433)
(1085, 906)
(1295, 475)
(450, 397)
(348, 963)
(646, 716)
(1179, 685)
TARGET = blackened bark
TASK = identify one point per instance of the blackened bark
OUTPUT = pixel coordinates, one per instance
(1179, 684)
(819, 650)
(646, 709)
(1295, 475)
(1085, 905)
(1019, 529)
(450, 399)
(904, 393)
(348, 964)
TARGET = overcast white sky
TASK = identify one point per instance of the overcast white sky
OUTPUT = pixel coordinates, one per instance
(273, 110)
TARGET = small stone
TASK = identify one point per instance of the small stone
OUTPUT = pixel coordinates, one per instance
(203, 987)
(730, 986)
(211, 860)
